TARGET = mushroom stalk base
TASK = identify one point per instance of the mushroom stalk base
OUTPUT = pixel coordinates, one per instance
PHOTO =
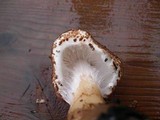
(86, 97)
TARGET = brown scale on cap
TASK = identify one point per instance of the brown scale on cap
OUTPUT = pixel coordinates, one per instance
(91, 46)
(63, 40)
(75, 40)
(81, 38)
(115, 66)
(60, 42)
(56, 76)
(72, 33)
(66, 39)
(53, 62)
(60, 83)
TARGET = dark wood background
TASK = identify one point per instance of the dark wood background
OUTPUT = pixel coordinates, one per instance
(129, 28)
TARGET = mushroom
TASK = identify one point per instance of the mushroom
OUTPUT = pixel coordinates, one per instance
(84, 71)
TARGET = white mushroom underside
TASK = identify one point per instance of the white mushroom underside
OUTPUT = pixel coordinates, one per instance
(76, 59)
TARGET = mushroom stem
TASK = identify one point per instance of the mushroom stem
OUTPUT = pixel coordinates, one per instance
(86, 97)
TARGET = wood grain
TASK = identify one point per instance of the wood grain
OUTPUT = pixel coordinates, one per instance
(129, 28)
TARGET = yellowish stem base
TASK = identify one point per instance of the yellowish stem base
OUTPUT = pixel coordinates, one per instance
(86, 98)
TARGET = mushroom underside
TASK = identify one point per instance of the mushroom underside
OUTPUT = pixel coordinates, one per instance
(81, 60)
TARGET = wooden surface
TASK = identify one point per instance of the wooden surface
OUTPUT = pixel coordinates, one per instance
(129, 28)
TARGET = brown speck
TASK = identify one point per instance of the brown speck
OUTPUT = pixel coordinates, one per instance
(106, 60)
(84, 40)
(49, 56)
(46, 104)
(66, 39)
(72, 117)
(60, 83)
(47, 68)
(119, 73)
(81, 100)
(91, 46)
(56, 76)
(81, 38)
(63, 40)
(79, 112)
(29, 50)
(56, 87)
(42, 89)
(115, 66)
(75, 40)
(91, 106)
(60, 42)
(91, 64)
(54, 62)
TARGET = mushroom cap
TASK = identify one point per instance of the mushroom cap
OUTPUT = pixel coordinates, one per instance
(76, 53)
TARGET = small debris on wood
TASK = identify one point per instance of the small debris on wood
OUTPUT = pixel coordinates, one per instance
(33, 111)
(40, 101)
